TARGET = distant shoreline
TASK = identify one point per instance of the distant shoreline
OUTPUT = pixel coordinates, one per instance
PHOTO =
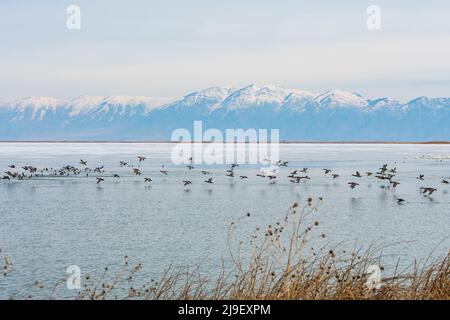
(281, 142)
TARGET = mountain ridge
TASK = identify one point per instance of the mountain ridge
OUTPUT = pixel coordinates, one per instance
(334, 115)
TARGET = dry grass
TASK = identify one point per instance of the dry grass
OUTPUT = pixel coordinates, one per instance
(282, 266)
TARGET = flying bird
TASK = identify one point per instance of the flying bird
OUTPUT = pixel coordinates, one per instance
(428, 190)
(353, 184)
(357, 174)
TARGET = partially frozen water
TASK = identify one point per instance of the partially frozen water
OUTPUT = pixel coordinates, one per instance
(48, 224)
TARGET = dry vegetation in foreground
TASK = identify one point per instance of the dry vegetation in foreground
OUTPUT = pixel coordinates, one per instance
(283, 266)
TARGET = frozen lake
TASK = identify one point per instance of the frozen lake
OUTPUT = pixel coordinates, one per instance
(50, 223)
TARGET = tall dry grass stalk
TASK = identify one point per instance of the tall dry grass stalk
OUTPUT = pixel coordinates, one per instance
(282, 266)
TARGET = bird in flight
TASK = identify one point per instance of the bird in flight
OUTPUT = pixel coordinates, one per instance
(209, 180)
(357, 174)
(353, 184)
(141, 158)
(100, 180)
(428, 190)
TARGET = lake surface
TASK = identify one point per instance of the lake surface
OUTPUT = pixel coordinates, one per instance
(50, 223)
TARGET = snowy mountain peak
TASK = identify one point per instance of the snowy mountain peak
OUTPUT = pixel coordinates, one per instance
(254, 95)
(36, 103)
(335, 98)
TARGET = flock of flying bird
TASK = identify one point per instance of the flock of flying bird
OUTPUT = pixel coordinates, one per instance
(296, 176)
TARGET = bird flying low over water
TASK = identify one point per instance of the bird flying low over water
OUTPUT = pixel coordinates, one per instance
(335, 176)
(100, 180)
(281, 163)
(243, 177)
(115, 175)
(444, 181)
(136, 171)
(99, 169)
(12, 166)
(210, 180)
(83, 162)
(141, 158)
(186, 182)
(327, 171)
(353, 184)
(123, 163)
(357, 174)
(147, 180)
(205, 172)
(383, 169)
(420, 177)
(400, 201)
(394, 183)
(428, 190)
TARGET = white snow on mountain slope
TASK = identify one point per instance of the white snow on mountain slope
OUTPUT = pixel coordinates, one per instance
(254, 95)
(214, 95)
(211, 99)
(116, 104)
(296, 100)
(384, 103)
(35, 103)
(38, 106)
(338, 98)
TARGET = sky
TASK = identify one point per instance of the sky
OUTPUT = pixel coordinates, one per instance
(173, 47)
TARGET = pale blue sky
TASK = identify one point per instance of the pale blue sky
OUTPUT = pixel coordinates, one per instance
(171, 47)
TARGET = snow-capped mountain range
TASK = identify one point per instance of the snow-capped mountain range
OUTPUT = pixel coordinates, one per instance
(299, 115)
